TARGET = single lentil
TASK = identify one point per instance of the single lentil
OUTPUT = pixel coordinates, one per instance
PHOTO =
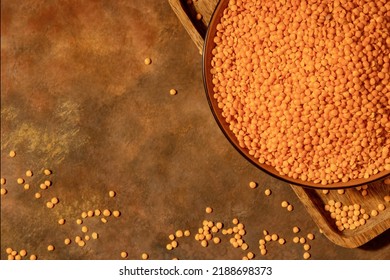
(116, 213)
(147, 61)
(252, 185)
(111, 193)
(47, 172)
(306, 255)
(145, 256)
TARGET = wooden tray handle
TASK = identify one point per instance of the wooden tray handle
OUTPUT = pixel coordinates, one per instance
(187, 14)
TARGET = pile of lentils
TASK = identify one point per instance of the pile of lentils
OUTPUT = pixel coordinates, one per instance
(304, 85)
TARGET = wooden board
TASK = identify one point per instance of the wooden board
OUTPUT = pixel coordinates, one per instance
(313, 200)
(186, 11)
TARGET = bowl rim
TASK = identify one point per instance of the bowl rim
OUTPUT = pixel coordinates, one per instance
(208, 43)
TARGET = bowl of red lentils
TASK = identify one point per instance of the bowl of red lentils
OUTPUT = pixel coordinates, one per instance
(301, 88)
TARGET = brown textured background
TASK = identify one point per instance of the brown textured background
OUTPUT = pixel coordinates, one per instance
(77, 98)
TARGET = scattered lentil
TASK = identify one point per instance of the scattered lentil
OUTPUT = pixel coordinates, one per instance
(148, 61)
(116, 213)
(106, 213)
(145, 256)
(252, 185)
(111, 194)
(47, 172)
(179, 233)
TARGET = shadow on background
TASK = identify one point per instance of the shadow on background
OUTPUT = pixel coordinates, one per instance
(378, 242)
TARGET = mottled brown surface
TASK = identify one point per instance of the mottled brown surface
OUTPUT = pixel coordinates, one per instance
(78, 98)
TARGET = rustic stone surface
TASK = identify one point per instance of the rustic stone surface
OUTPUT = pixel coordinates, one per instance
(77, 98)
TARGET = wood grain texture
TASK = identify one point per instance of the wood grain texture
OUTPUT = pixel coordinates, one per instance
(313, 200)
(187, 15)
